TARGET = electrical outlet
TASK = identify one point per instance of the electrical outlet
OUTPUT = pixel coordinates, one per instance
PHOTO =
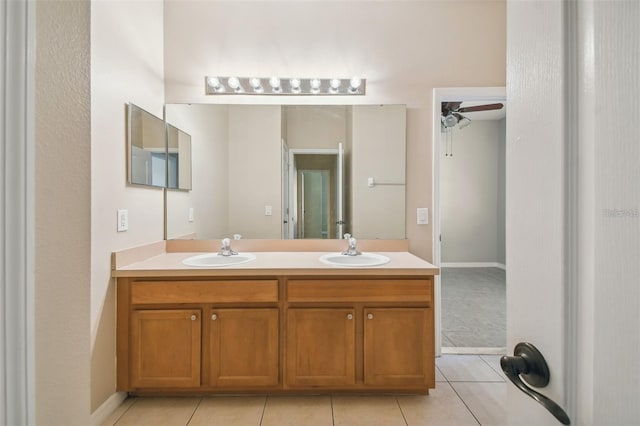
(268, 210)
(123, 220)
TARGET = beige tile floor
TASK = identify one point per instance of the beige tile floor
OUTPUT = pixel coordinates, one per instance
(470, 390)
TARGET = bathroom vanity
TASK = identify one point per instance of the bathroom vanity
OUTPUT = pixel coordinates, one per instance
(283, 323)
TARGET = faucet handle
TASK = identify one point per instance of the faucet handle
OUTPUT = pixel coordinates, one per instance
(347, 236)
(226, 242)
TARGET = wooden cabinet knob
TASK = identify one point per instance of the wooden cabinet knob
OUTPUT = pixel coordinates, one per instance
(370, 316)
(349, 316)
(194, 317)
(214, 317)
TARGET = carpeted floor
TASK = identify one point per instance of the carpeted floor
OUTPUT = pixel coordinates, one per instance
(473, 307)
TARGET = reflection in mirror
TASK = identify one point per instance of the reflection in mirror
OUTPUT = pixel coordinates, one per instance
(271, 171)
(179, 158)
(147, 148)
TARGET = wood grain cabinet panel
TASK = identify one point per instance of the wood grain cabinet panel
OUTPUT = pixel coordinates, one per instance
(358, 290)
(227, 291)
(165, 348)
(243, 347)
(398, 347)
(320, 347)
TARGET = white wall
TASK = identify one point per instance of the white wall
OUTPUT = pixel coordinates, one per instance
(472, 203)
(254, 171)
(309, 127)
(208, 127)
(126, 66)
(62, 240)
(378, 151)
(404, 49)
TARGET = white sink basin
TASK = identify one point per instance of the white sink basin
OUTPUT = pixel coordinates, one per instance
(361, 260)
(214, 260)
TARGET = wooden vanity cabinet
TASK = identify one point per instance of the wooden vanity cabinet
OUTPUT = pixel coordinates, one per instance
(397, 346)
(165, 348)
(351, 333)
(320, 347)
(360, 334)
(243, 347)
(197, 334)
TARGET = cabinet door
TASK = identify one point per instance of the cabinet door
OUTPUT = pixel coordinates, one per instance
(165, 348)
(243, 347)
(399, 347)
(320, 347)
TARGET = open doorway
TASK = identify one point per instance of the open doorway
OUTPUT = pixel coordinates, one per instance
(315, 209)
(469, 183)
(316, 193)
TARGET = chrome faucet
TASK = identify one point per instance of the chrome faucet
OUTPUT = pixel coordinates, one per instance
(225, 250)
(352, 250)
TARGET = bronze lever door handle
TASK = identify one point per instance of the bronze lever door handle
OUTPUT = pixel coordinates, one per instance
(526, 368)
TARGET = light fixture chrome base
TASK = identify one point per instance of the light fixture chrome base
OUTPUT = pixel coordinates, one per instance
(284, 86)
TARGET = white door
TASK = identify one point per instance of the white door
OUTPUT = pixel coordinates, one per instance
(285, 191)
(536, 199)
(573, 200)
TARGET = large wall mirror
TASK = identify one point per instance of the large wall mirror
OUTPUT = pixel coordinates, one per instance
(291, 171)
(158, 154)
(147, 156)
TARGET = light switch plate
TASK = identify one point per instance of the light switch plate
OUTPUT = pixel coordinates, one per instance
(190, 214)
(423, 216)
(123, 220)
(268, 210)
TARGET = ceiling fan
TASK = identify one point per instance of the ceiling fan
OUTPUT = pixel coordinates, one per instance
(452, 113)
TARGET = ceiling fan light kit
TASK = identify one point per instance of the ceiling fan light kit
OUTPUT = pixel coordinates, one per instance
(451, 113)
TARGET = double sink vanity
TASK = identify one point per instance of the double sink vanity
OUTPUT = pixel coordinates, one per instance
(280, 316)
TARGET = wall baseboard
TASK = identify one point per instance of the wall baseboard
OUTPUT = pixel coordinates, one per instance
(473, 265)
(103, 412)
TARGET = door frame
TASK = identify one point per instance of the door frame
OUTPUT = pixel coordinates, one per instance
(293, 182)
(17, 298)
(440, 95)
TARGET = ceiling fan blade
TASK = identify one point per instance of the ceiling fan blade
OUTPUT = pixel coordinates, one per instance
(488, 107)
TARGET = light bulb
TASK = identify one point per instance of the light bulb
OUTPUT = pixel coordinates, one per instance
(354, 84)
(295, 85)
(335, 85)
(214, 83)
(234, 83)
(256, 85)
(315, 85)
(274, 82)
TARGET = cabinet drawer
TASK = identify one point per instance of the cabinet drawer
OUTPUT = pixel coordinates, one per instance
(240, 291)
(401, 290)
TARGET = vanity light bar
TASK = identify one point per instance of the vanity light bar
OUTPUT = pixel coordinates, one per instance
(284, 86)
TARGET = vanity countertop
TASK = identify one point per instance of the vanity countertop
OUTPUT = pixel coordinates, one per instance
(274, 263)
